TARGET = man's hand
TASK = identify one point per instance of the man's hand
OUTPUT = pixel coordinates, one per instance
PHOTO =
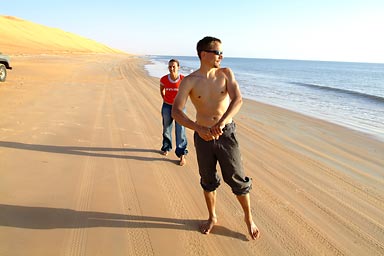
(205, 133)
(210, 133)
(217, 130)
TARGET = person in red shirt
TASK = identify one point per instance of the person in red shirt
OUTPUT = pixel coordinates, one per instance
(169, 86)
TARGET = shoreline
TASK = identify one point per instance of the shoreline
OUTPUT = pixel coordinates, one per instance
(353, 115)
(348, 126)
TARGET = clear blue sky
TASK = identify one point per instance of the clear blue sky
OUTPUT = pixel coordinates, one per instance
(340, 30)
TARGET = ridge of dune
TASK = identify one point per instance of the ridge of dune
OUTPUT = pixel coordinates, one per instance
(20, 36)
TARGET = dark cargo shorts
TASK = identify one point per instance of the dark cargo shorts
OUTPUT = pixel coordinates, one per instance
(226, 151)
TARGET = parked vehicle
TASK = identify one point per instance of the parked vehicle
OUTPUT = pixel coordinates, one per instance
(4, 65)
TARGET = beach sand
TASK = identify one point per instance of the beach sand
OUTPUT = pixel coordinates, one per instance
(81, 172)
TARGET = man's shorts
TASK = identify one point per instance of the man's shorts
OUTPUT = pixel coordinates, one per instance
(224, 150)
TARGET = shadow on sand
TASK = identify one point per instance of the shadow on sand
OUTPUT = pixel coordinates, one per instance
(90, 151)
(53, 218)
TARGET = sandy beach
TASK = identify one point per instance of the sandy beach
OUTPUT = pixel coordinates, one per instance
(82, 174)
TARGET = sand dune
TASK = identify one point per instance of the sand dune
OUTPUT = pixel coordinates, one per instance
(19, 36)
(81, 172)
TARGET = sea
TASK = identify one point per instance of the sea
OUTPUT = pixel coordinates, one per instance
(350, 94)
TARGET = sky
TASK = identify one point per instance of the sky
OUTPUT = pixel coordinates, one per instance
(329, 30)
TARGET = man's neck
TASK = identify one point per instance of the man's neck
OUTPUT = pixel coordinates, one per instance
(205, 70)
(174, 76)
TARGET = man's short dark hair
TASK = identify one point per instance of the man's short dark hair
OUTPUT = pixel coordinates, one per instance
(174, 60)
(206, 44)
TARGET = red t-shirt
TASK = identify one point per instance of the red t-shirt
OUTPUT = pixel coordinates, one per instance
(171, 87)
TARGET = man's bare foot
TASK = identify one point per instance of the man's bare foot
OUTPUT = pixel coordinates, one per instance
(253, 230)
(207, 225)
(164, 153)
(183, 161)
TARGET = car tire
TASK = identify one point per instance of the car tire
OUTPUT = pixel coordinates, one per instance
(3, 72)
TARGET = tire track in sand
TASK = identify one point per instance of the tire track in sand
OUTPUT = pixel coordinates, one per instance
(77, 240)
(138, 238)
(326, 211)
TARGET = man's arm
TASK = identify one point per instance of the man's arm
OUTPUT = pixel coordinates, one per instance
(179, 104)
(179, 115)
(236, 101)
(162, 90)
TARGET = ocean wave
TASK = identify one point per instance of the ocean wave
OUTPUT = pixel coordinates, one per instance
(342, 91)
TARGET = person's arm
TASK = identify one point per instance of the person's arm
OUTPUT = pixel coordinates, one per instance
(236, 101)
(179, 104)
(179, 115)
(162, 90)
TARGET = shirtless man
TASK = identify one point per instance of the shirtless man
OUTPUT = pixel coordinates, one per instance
(216, 96)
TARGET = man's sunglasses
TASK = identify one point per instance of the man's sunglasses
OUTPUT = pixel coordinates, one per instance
(216, 52)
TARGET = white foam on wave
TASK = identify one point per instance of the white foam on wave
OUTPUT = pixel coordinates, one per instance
(156, 68)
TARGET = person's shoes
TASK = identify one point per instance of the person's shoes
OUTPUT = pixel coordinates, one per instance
(183, 161)
(164, 153)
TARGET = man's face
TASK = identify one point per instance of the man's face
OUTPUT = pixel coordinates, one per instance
(215, 54)
(173, 67)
